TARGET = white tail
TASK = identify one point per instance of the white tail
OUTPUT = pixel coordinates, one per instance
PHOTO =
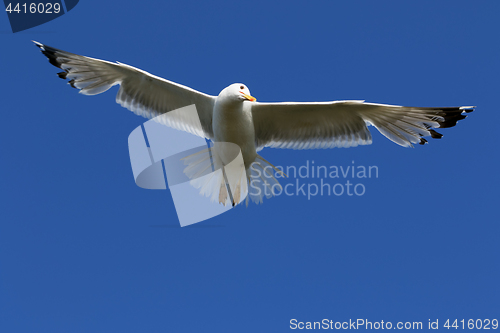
(219, 173)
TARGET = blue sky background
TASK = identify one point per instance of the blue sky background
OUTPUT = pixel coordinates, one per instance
(83, 249)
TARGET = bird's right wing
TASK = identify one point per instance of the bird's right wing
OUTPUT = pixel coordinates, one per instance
(145, 94)
(344, 123)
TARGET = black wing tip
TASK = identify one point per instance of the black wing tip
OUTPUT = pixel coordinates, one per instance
(435, 135)
(451, 116)
(467, 109)
(451, 120)
(447, 117)
(40, 45)
(49, 52)
(62, 75)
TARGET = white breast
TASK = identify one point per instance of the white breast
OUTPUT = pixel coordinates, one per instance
(232, 122)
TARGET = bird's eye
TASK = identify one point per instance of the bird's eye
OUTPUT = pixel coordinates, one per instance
(242, 87)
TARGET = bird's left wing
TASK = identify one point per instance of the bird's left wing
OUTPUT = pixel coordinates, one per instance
(344, 123)
(145, 94)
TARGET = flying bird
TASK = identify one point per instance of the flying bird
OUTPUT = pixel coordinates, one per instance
(235, 117)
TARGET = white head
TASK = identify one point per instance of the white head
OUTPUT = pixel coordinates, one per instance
(237, 92)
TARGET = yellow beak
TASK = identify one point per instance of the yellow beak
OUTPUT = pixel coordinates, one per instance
(250, 98)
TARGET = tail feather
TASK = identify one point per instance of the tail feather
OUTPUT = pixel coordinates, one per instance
(262, 183)
(227, 183)
(231, 183)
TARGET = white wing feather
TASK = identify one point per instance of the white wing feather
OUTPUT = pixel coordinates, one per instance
(145, 94)
(344, 123)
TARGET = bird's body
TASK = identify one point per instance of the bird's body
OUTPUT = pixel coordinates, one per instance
(235, 117)
(232, 122)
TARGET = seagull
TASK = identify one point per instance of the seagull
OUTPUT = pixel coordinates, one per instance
(235, 116)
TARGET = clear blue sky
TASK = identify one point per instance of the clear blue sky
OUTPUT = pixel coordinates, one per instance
(83, 249)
